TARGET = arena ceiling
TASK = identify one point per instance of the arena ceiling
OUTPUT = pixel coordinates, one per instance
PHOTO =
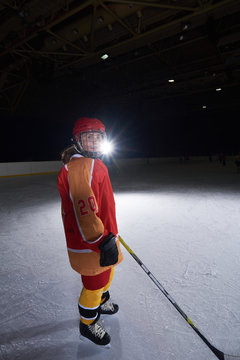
(196, 43)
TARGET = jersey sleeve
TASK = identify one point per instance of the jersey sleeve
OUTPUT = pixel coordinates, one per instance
(70, 226)
(84, 202)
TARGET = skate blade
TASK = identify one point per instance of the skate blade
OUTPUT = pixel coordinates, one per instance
(87, 341)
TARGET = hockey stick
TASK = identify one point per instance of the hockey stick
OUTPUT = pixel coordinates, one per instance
(219, 354)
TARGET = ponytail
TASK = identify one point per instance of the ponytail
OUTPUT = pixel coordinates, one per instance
(68, 153)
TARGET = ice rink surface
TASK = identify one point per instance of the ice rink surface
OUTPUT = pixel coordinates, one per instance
(182, 221)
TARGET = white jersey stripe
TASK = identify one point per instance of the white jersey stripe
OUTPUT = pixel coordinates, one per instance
(90, 180)
(79, 251)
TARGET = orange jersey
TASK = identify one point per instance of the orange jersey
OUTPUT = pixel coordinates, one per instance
(88, 211)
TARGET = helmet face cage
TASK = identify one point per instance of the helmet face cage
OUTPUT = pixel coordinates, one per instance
(87, 145)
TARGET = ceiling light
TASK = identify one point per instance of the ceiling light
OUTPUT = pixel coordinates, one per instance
(75, 31)
(104, 56)
(204, 107)
(218, 89)
(100, 19)
(23, 14)
(171, 80)
(186, 26)
(181, 37)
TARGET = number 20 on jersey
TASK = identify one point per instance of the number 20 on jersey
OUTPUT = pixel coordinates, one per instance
(83, 206)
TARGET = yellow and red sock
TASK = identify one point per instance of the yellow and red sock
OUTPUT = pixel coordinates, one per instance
(92, 295)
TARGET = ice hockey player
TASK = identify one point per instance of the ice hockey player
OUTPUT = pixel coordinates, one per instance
(88, 213)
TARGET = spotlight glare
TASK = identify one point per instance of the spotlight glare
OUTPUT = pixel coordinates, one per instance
(171, 80)
(107, 147)
(218, 89)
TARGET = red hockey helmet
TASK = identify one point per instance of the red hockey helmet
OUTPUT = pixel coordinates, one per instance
(85, 124)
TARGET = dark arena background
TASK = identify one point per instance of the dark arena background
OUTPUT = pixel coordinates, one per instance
(162, 75)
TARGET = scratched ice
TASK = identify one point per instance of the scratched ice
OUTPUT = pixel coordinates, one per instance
(182, 221)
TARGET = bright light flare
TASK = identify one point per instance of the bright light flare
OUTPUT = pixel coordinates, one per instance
(107, 147)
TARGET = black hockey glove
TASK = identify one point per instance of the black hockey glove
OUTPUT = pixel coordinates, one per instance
(108, 251)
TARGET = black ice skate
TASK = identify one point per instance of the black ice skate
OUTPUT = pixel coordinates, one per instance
(95, 332)
(109, 308)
